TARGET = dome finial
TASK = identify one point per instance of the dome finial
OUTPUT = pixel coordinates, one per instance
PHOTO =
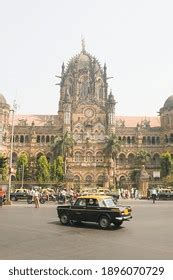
(83, 44)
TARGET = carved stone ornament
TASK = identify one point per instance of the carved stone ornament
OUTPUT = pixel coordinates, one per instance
(89, 113)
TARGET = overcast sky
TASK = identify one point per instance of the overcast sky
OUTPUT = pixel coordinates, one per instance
(133, 37)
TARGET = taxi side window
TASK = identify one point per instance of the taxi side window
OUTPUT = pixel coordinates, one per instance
(92, 202)
(81, 202)
(102, 203)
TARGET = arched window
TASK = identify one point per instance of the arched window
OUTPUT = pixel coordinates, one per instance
(153, 140)
(122, 182)
(88, 179)
(76, 178)
(89, 156)
(144, 141)
(122, 159)
(128, 140)
(47, 139)
(99, 156)
(156, 159)
(16, 138)
(166, 139)
(124, 140)
(21, 139)
(52, 139)
(78, 156)
(148, 140)
(157, 140)
(26, 139)
(42, 139)
(100, 180)
(49, 157)
(133, 139)
(38, 138)
(131, 159)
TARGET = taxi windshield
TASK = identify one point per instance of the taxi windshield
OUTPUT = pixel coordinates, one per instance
(108, 202)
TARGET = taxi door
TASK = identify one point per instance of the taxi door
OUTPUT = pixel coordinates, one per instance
(92, 210)
(78, 211)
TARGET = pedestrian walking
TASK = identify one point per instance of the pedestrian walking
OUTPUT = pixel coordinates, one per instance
(154, 194)
(36, 198)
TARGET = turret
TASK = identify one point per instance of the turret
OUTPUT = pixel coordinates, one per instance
(166, 117)
(67, 112)
(111, 112)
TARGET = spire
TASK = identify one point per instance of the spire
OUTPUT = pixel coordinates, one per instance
(83, 45)
(63, 67)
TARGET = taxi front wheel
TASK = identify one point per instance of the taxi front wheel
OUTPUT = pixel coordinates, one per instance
(64, 219)
(104, 222)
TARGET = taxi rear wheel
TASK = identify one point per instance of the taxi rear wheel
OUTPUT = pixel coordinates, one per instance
(104, 222)
(64, 219)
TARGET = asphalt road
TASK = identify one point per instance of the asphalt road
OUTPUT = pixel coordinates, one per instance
(29, 233)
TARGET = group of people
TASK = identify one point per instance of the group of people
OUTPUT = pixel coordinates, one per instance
(2, 196)
(64, 195)
(126, 193)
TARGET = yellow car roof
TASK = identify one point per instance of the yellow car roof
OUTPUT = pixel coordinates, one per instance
(94, 196)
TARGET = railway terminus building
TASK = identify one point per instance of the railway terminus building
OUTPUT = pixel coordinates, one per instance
(87, 111)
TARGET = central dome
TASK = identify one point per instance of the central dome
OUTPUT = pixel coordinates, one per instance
(169, 102)
(83, 60)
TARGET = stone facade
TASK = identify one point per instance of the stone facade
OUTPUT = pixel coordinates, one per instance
(87, 111)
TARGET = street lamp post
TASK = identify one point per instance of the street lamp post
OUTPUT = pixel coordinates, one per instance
(11, 158)
(22, 174)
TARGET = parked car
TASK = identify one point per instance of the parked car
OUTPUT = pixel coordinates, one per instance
(19, 194)
(165, 194)
(94, 208)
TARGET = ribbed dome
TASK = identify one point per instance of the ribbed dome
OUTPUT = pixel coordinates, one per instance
(2, 99)
(169, 102)
(83, 60)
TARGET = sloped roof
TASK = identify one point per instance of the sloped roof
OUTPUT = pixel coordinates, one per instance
(132, 121)
(38, 120)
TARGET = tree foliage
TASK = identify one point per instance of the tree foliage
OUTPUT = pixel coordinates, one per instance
(165, 164)
(43, 170)
(3, 167)
(113, 146)
(63, 146)
(142, 157)
(22, 166)
(56, 169)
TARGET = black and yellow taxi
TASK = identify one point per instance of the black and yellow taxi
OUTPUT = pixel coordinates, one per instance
(94, 208)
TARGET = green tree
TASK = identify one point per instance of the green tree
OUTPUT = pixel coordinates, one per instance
(43, 170)
(56, 169)
(134, 177)
(63, 146)
(22, 167)
(113, 146)
(3, 167)
(142, 157)
(165, 164)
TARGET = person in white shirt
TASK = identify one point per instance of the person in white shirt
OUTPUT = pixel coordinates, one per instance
(154, 194)
(36, 199)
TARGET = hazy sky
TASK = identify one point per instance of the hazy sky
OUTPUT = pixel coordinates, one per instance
(134, 38)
